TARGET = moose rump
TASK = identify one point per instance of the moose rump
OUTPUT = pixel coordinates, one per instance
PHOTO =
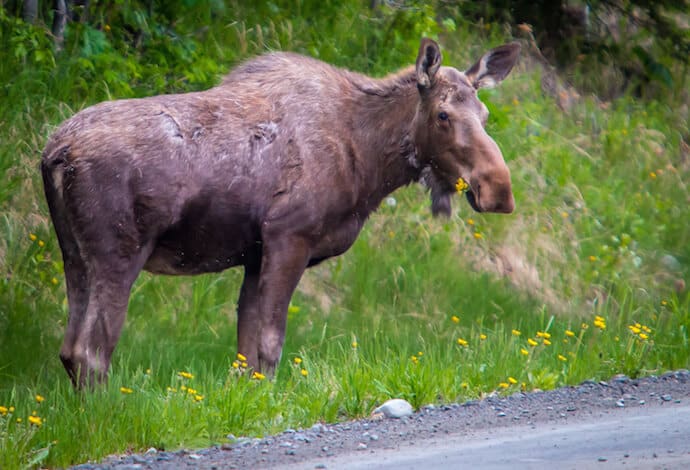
(274, 170)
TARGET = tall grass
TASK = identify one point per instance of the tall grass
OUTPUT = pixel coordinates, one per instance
(585, 280)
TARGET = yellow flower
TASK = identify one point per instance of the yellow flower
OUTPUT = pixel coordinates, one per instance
(461, 185)
(634, 329)
(462, 342)
(54, 281)
(126, 390)
(543, 334)
(298, 360)
(643, 336)
(183, 388)
(531, 342)
(584, 326)
(245, 365)
(569, 333)
(40, 399)
(455, 319)
(241, 357)
(354, 345)
(191, 391)
(420, 353)
(646, 329)
(106, 28)
(512, 380)
(592, 258)
(304, 372)
(35, 420)
(198, 397)
(516, 332)
(3, 410)
(148, 372)
(292, 309)
(32, 237)
(478, 235)
(41, 243)
(547, 342)
(19, 420)
(504, 385)
(561, 357)
(482, 336)
(258, 375)
(414, 359)
(172, 390)
(652, 175)
(470, 221)
(235, 365)
(464, 385)
(524, 352)
(185, 375)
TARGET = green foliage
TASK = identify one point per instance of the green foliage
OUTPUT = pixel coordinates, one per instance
(585, 280)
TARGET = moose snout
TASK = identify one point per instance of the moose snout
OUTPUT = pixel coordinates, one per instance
(492, 192)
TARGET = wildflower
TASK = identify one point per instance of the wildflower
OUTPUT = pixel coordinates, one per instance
(35, 420)
(41, 243)
(148, 372)
(543, 334)
(652, 175)
(584, 326)
(664, 303)
(599, 322)
(478, 235)
(512, 380)
(643, 336)
(292, 309)
(455, 319)
(198, 397)
(258, 375)
(19, 421)
(504, 385)
(470, 221)
(235, 365)
(298, 360)
(241, 357)
(183, 388)
(569, 333)
(531, 342)
(106, 28)
(4, 410)
(414, 359)
(191, 391)
(304, 372)
(172, 390)
(244, 364)
(462, 342)
(592, 258)
(546, 342)
(354, 345)
(465, 385)
(482, 336)
(524, 352)
(461, 185)
(185, 375)
(561, 357)
(40, 399)
(516, 102)
(646, 329)
(635, 330)
(565, 215)
(54, 281)
(32, 237)
(420, 353)
(126, 390)
(516, 332)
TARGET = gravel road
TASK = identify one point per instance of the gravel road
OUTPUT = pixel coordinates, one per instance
(622, 423)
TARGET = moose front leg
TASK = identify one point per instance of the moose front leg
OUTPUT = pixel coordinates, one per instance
(284, 260)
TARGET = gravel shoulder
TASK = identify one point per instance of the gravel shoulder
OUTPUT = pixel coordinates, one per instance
(593, 410)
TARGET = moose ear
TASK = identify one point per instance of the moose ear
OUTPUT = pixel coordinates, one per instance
(428, 63)
(494, 66)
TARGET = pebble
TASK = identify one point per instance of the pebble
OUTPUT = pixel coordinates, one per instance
(361, 446)
(395, 408)
(620, 403)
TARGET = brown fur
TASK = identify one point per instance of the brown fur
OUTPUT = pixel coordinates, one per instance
(275, 170)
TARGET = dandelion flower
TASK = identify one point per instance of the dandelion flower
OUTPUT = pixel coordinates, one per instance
(592, 258)
(561, 357)
(126, 390)
(504, 385)
(516, 332)
(569, 333)
(298, 360)
(19, 420)
(652, 175)
(4, 410)
(478, 235)
(643, 336)
(235, 365)
(354, 345)
(40, 399)
(531, 342)
(634, 329)
(258, 375)
(543, 334)
(241, 357)
(470, 221)
(35, 420)
(462, 342)
(512, 380)
(461, 185)
(455, 319)
(414, 359)
(32, 237)
(304, 372)
(41, 243)
(245, 365)
(191, 391)
(185, 375)
(198, 397)
(54, 281)
(482, 336)
(524, 352)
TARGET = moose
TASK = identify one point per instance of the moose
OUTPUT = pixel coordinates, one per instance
(275, 170)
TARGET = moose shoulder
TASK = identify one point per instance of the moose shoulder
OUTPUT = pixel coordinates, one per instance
(274, 170)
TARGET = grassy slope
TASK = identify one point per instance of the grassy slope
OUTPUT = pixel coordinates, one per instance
(599, 230)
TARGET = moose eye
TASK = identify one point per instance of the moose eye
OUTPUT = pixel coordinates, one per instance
(443, 116)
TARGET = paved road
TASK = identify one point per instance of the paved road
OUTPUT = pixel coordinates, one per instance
(654, 438)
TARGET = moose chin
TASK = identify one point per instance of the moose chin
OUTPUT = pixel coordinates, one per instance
(275, 170)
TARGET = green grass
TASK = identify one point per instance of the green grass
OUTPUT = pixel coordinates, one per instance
(599, 230)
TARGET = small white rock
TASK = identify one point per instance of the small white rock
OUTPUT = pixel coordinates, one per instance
(395, 408)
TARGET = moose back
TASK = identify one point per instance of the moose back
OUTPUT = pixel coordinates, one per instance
(274, 170)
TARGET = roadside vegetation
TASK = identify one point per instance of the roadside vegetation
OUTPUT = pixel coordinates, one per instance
(585, 280)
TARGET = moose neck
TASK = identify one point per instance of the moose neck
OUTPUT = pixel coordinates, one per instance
(383, 118)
